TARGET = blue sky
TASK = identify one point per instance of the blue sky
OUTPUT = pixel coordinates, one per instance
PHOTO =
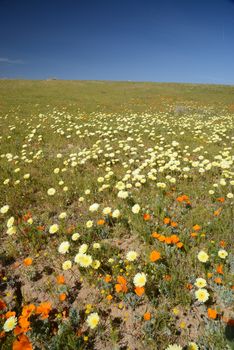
(165, 40)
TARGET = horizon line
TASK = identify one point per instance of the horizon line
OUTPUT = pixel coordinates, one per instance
(117, 81)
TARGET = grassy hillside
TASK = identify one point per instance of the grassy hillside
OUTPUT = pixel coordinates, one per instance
(110, 96)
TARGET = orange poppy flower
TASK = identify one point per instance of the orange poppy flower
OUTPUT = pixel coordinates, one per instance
(62, 296)
(193, 234)
(219, 269)
(212, 313)
(124, 288)
(60, 279)
(28, 261)
(168, 240)
(196, 227)
(174, 224)
(161, 238)
(166, 221)
(109, 297)
(154, 255)
(155, 235)
(27, 310)
(121, 280)
(218, 280)
(118, 288)
(121, 286)
(108, 278)
(222, 244)
(183, 198)
(22, 343)
(221, 199)
(174, 239)
(24, 323)
(189, 286)
(10, 313)
(18, 330)
(146, 217)
(44, 309)
(101, 222)
(139, 291)
(180, 244)
(217, 212)
(147, 316)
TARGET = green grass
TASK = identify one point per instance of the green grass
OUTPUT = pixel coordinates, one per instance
(93, 96)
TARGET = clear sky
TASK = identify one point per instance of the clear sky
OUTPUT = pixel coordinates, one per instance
(140, 40)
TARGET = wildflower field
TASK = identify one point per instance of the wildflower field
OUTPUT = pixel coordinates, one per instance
(116, 216)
